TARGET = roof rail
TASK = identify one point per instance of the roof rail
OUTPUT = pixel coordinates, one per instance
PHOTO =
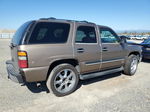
(52, 18)
(47, 18)
(86, 22)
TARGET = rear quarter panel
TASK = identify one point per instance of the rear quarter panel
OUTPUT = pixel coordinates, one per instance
(44, 54)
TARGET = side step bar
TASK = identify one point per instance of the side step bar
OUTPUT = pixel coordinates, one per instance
(97, 74)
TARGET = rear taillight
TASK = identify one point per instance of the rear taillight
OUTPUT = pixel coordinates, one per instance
(22, 59)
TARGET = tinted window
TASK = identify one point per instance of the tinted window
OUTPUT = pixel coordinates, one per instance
(108, 36)
(20, 33)
(46, 32)
(85, 34)
(147, 41)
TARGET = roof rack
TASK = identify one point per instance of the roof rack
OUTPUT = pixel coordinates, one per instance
(84, 21)
(52, 18)
(47, 18)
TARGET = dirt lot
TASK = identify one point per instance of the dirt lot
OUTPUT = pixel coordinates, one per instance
(113, 93)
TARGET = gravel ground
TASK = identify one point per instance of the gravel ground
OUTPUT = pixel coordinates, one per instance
(111, 93)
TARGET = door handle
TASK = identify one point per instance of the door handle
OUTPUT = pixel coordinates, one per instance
(105, 49)
(80, 50)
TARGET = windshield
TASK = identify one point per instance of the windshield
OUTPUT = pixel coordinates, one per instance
(20, 33)
(147, 41)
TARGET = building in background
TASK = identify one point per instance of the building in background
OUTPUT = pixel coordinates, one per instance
(6, 33)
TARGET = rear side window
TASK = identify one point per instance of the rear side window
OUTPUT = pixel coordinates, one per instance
(46, 32)
(85, 34)
(20, 33)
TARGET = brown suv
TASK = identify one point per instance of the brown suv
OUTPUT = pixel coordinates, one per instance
(61, 52)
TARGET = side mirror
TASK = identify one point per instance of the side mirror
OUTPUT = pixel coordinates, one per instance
(123, 39)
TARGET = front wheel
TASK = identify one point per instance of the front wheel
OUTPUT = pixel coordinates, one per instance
(131, 65)
(63, 80)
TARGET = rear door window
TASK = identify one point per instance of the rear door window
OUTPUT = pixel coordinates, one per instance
(49, 32)
(85, 34)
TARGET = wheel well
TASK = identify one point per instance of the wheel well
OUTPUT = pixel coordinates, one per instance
(73, 62)
(135, 53)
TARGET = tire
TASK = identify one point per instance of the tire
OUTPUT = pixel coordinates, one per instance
(131, 65)
(63, 80)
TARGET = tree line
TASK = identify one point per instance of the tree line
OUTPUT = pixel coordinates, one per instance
(134, 33)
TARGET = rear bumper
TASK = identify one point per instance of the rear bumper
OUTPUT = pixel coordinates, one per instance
(36, 74)
(13, 73)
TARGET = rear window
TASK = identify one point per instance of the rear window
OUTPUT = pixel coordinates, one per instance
(20, 33)
(48, 32)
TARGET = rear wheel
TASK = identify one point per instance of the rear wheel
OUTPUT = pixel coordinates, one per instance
(131, 65)
(63, 80)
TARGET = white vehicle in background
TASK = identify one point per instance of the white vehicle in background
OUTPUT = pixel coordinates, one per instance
(139, 37)
(144, 37)
(132, 37)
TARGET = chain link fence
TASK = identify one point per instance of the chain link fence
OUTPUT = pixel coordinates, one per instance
(6, 35)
